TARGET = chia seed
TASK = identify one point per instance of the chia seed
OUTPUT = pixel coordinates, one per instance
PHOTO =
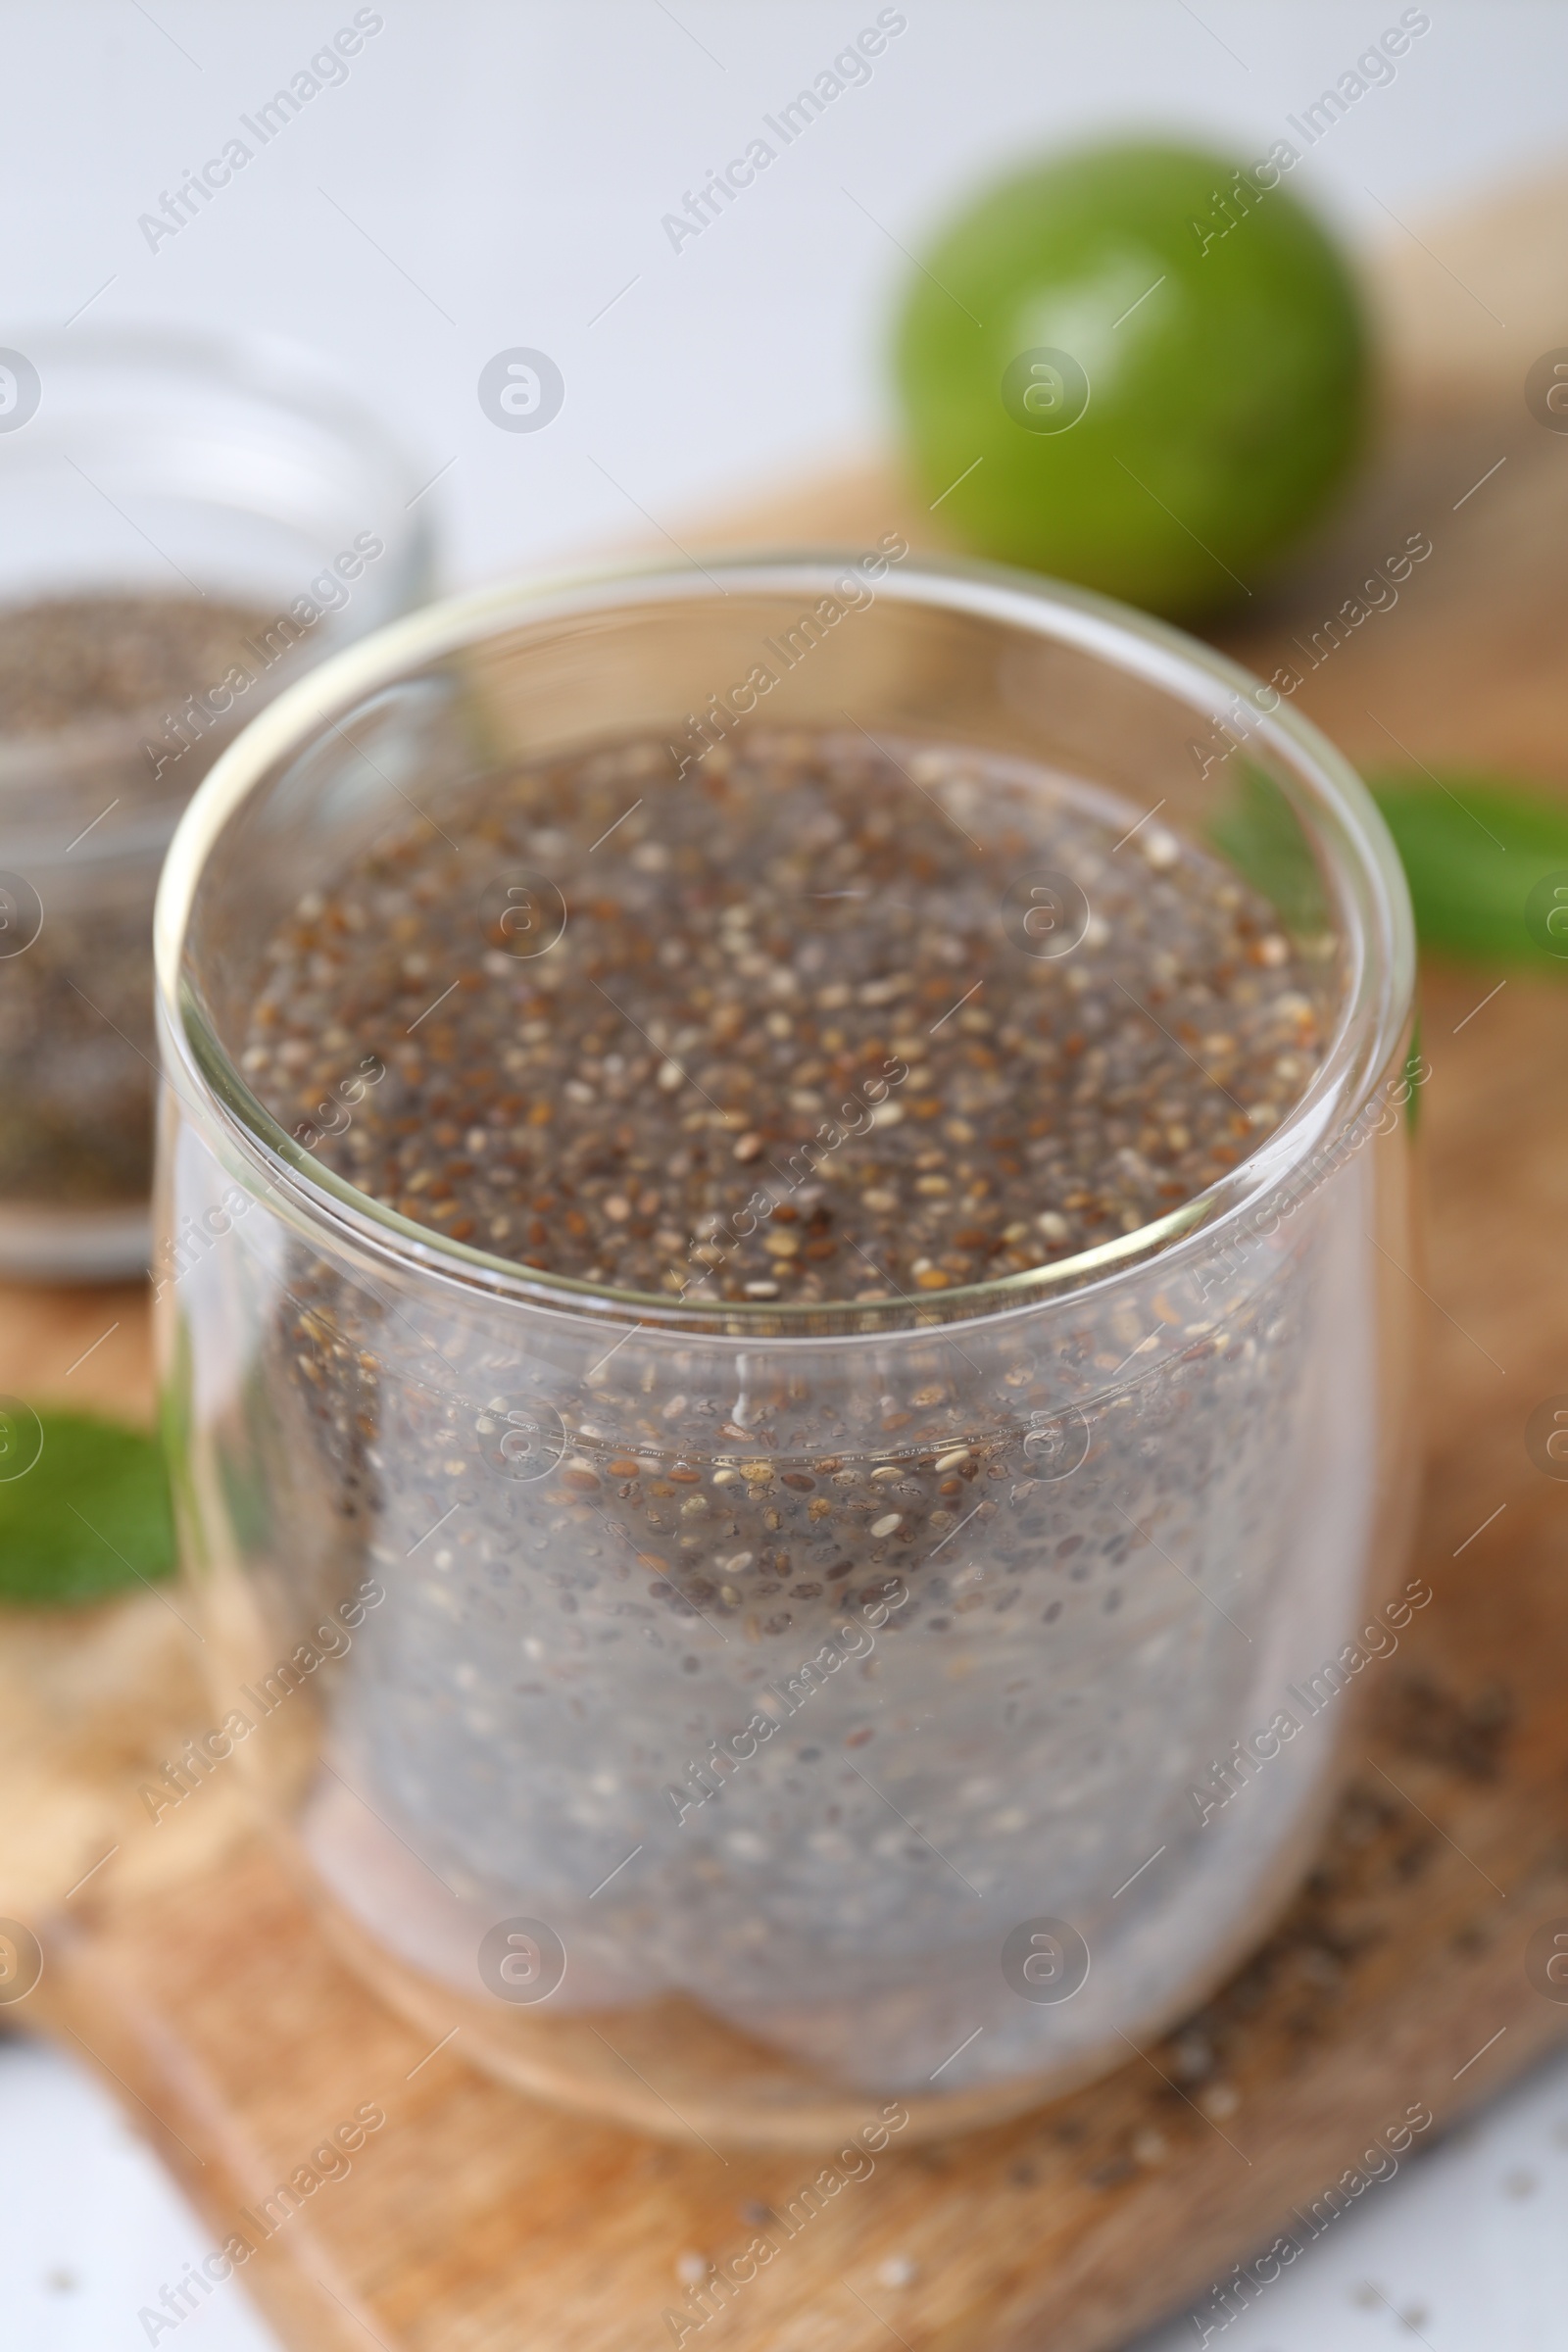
(1086, 1551)
(81, 680)
(814, 933)
(76, 661)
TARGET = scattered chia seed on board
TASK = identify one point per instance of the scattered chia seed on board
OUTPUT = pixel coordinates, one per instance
(1001, 1591)
(820, 929)
(77, 1051)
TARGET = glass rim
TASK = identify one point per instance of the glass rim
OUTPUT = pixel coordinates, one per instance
(1371, 1014)
(259, 362)
(256, 366)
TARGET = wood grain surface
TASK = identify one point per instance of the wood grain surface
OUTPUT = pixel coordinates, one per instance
(472, 2220)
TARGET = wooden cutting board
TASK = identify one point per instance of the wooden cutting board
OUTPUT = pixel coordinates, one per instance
(1406, 1977)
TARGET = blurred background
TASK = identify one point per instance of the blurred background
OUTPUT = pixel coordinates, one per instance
(489, 178)
(485, 181)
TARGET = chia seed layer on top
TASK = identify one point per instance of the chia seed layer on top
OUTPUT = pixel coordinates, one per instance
(793, 1031)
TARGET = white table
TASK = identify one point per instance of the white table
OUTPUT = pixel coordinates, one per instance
(1465, 2251)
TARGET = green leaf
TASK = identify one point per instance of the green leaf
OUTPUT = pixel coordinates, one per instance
(83, 1507)
(1414, 1077)
(1261, 836)
(1482, 858)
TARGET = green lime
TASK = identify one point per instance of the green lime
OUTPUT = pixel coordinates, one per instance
(1136, 367)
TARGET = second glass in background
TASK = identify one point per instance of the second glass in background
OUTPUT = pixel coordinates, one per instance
(202, 520)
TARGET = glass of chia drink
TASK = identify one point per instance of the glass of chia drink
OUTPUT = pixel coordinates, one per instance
(783, 1188)
(185, 525)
